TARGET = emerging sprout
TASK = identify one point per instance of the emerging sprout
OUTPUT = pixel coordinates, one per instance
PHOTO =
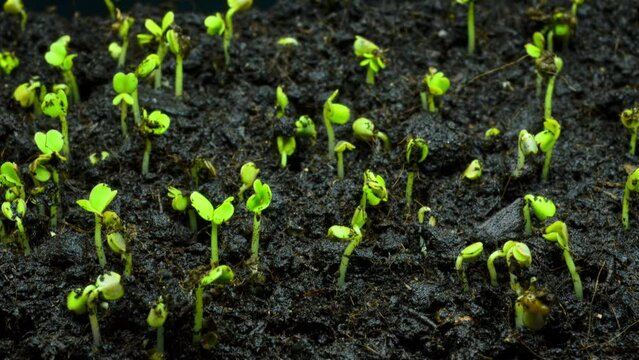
(111, 7)
(531, 308)
(575, 6)
(345, 234)
(156, 318)
(542, 207)
(630, 119)
(257, 203)
(432, 222)
(286, 147)
(55, 105)
(124, 86)
(248, 174)
(215, 25)
(562, 25)
(58, 57)
(434, 84)
(287, 41)
(470, 253)
(95, 158)
(525, 146)
(10, 178)
(115, 50)
(416, 152)
(118, 243)
(14, 210)
(201, 168)
(14, 207)
(27, 95)
(281, 102)
(16, 7)
(372, 57)
(492, 133)
(156, 35)
(474, 170)
(287, 129)
(8, 62)
(43, 168)
(100, 197)
(547, 65)
(374, 190)
(558, 232)
(234, 7)
(180, 46)
(334, 114)
(181, 202)
(546, 141)
(218, 276)
(217, 216)
(364, 129)
(632, 185)
(470, 23)
(107, 287)
(339, 150)
(517, 256)
(153, 124)
(122, 25)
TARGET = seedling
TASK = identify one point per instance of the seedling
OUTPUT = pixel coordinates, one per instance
(156, 35)
(434, 84)
(16, 7)
(416, 153)
(100, 197)
(217, 216)
(517, 256)
(558, 232)
(257, 203)
(110, 7)
(372, 57)
(546, 141)
(492, 133)
(374, 190)
(432, 222)
(286, 147)
(334, 114)
(26, 94)
(470, 253)
(542, 207)
(248, 174)
(96, 158)
(156, 318)
(561, 26)
(180, 46)
(287, 129)
(107, 287)
(234, 7)
(58, 57)
(339, 150)
(630, 119)
(525, 146)
(10, 178)
(122, 25)
(281, 102)
(345, 234)
(8, 62)
(364, 129)
(288, 41)
(201, 168)
(531, 308)
(117, 241)
(55, 105)
(470, 24)
(218, 276)
(632, 185)
(182, 203)
(474, 170)
(575, 6)
(14, 210)
(43, 168)
(547, 65)
(153, 124)
(124, 86)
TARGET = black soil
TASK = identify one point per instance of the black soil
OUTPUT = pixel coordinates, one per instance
(397, 302)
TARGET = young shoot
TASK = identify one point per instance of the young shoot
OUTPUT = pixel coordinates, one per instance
(517, 256)
(58, 57)
(435, 84)
(218, 276)
(100, 197)
(8, 62)
(111, 7)
(432, 222)
(372, 56)
(558, 232)
(201, 168)
(334, 114)
(153, 124)
(181, 202)
(217, 216)
(117, 241)
(416, 153)
(15, 210)
(339, 151)
(474, 170)
(16, 7)
(575, 6)
(632, 185)
(525, 146)
(562, 25)
(531, 308)
(234, 7)
(180, 46)
(43, 168)
(470, 253)
(364, 129)
(630, 120)
(542, 207)
(281, 102)
(156, 35)
(492, 133)
(107, 287)
(26, 94)
(547, 65)
(156, 318)
(122, 25)
(124, 85)
(55, 105)
(286, 147)
(345, 234)
(546, 141)
(374, 190)
(248, 174)
(257, 203)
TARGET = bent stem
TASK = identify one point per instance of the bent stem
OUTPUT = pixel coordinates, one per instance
(549, 92)
(471, 27)
(343, 266)
(384, 139)
(23, 20)
(125, 130)
(178, 75)
(491, 266)
(576, 280)
(98, 241)
(255, 240)
(24, 239)
(214, 250)
(459, 265)
(199, 314)
(146, 157)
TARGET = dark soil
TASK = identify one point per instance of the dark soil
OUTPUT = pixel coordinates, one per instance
(397, 303)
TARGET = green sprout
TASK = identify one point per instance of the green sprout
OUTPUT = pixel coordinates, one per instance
(234, 7)
(14, 210)
(95, 158)
(474, 170)
(542, 207)
(107, 287)
(374, 190)
(339, 151)
(416, 153)
(517, 256)
(364, 129)
(531, 308)
(257, 203)
(153, 124)
(26, 94)
(124, 85)
(218, 276)
(562, 24)
(287, 129)
(547, 65)
(180, 46)
(8, 62)
(632, 185)
(286, 147)
(10, 178)
(55, 105)
(432, 222)
(434, 84)
(16, 7)
(248, 174)
(156, 318)
(122, 26)
(345, 234)
(43, 168)
(470, 23)
(58, 57)
(525, 146)
(575, 6)
(630, 119)
(373, 57)
(546, 141)
(492, 133)
(281, 102)
(287, 41)
(558, 232)
(100, 197)
(117, 242)
(334, 114)
(215, 25)
(201, 169)
(217, 216)
(111, 7)
(181, 202)
(156, 35)
(115, 50)
(470, 253)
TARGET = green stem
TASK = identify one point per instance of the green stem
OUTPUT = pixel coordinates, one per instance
(255, 240)
(431, 103)
(128, 267)
(215, 258)
(538, 82)
(409, 188)
(574, 10)
(424, 100)
(93, 318)
(158, 72)
(146, 157)
(283, 159)
(192, 221)
(624, 207)
(22, 234)
(363, 201)
(370, 76)
(521, 162)
(228, 36)
(459, 265)
(136, 108)
(23, 21)
(633, 141)
(576, 280)
(98, 241)
(73, 85)
(527, 221)
(384, 139)
(54, 212)
(125, 130)
(546, 169)
(199, 314)
(122, 58)
(178, 75)
(550, 40)
(343, 266)
(519, 314)
(331, 139)
(65, 134)
(491, 266)
(471, 27)
(340, 165)
(159, 342)
(549, 92)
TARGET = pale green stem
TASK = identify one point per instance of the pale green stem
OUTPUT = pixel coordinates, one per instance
(370, 76)
(409, 188)
(538, 82)
(146, 157)
(576, 280)
(633, 140)
(125, 46)
(228, 36)
(624, 207)
(459, 265)
(521, 162)
(431, 103)
(363, 201)
(179, 60)
(527, 221)
(471, 27)
(128, 267)
(125, 130)
(73, 85)
(98, 241)
(283, 159)
(136, 108)
(550, 40)
(199, 314)
(384, 139)
(491, 266)
(549, 92)
(65, 135)
(159, 342)
(158, 72)
(215, 258)
(93, 318)
(424, 100)
(340, 165)
(331, 139)
(546, 169)
(22, 234)
(343, 266)
(255, 240)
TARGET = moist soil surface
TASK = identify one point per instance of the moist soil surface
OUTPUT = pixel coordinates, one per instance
(398, 301)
